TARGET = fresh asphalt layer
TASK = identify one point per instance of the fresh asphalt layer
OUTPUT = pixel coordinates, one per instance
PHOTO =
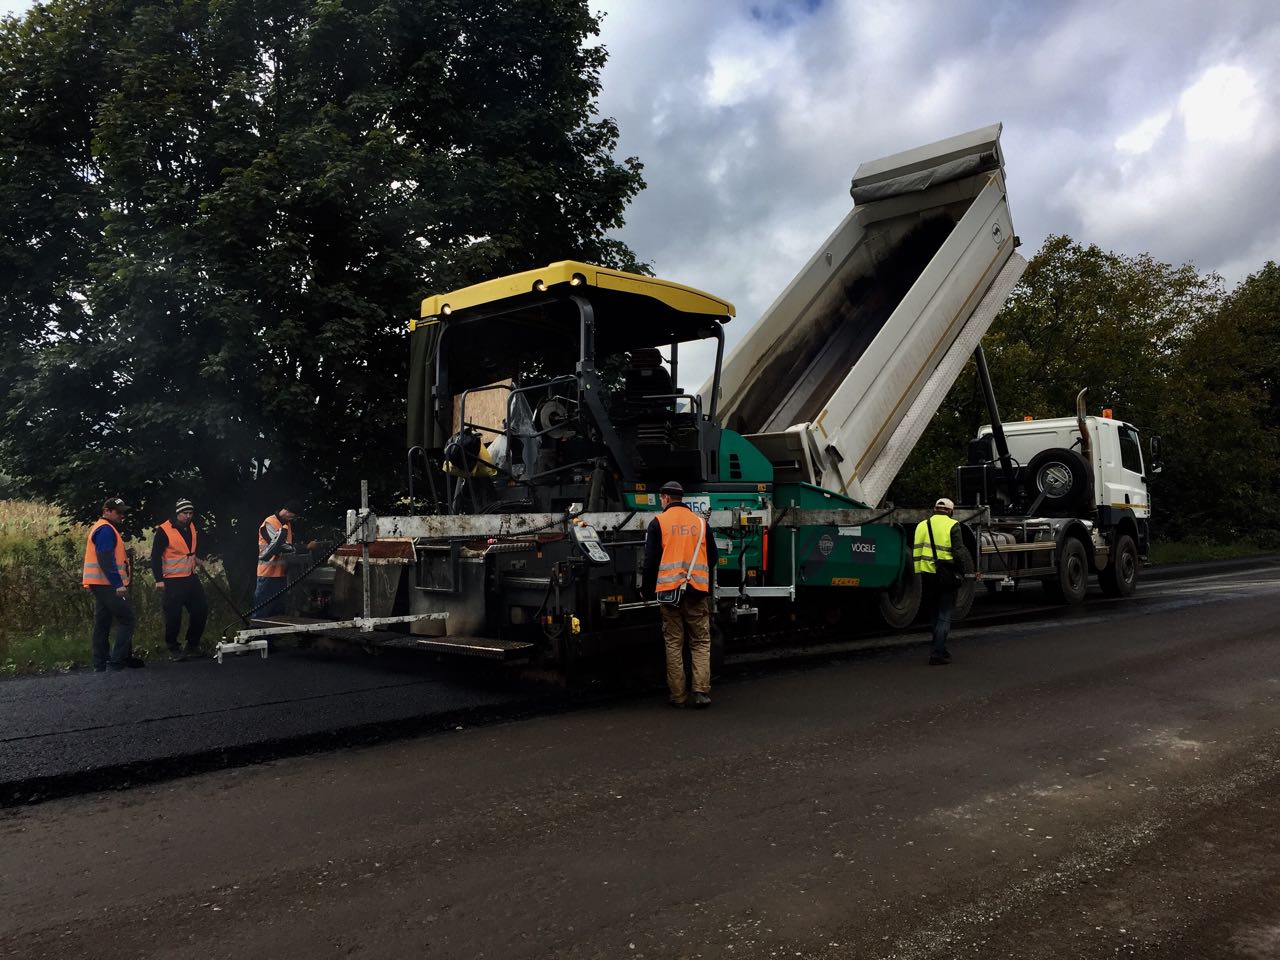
(81, 731)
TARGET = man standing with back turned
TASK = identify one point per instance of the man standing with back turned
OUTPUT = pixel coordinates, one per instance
(173, 563)
(935, 561)
(680, 554)
(106, 573)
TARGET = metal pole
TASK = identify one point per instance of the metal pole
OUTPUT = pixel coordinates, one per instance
(997, 428)
(364, 543)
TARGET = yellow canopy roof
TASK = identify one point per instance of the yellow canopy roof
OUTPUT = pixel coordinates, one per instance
(572, 273)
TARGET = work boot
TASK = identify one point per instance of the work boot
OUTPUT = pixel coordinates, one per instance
(133, 663)
(192, 653)
(702, 700)
(679, 704)
(176, 655)
(939, 661)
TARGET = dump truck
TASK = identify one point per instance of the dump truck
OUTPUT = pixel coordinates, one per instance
(525, 534)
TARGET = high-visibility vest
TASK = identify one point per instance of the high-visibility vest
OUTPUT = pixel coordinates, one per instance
(94, 575)
(179, 560)
(276, 566)
(923, 554)
(681, 531)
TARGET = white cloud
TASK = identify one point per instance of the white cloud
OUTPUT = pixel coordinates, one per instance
(1223, 106)
(1143, 127)
(1143, 136)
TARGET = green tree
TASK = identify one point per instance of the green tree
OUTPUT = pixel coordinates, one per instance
(1221, 419)
(1131, 329)
(218, 216)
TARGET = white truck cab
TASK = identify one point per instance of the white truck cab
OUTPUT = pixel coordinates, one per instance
(1119, 476)
(1072, 500)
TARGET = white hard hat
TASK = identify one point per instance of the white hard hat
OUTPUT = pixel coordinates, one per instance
(944, 504)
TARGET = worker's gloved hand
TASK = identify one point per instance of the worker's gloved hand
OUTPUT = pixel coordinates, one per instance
(159, 584)
(313, 545)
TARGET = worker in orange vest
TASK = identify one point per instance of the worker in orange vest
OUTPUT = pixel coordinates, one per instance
(173, 564)
(106, 573)
(275, 543)
(679, 562)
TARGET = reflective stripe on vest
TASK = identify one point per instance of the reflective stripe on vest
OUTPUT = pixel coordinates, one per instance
(681, 530)
(276, 566)
(179, 560)
(922, 555)
(93, 574)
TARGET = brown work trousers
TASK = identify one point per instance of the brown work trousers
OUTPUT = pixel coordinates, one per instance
(690, 618)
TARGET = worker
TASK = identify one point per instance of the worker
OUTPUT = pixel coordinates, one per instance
(173, 564)
(934, 557)
(275, 543)
(679, 563)
(106, 574)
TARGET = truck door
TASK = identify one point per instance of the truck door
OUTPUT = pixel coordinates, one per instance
(1126, 482)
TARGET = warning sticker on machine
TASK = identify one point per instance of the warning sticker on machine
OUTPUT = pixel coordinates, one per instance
(845, 581)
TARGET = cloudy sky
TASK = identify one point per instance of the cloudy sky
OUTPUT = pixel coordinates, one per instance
(1140, 126)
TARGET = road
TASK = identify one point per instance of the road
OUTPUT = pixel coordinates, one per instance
(1094, 784)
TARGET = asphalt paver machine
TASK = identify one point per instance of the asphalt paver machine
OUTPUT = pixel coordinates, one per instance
(547, 407)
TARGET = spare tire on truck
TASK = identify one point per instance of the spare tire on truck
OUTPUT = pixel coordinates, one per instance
(1059, 478)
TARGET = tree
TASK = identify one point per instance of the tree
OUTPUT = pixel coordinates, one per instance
(218, 216)
(1222, 420)
(1132, 330)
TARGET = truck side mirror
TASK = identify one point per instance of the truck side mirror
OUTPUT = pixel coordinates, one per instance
(1156, 465)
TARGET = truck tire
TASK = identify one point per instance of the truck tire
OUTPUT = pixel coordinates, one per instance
(1061, 476)
(899, 605)
(1120, 577)
(1072, 580)
(969, 589)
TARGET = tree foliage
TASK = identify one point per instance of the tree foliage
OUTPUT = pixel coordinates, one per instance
(1166, 349)
(217, 216)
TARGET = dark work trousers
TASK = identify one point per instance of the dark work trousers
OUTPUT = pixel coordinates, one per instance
(185, 592)
(942, 619)
(269, 587)
(108, 606)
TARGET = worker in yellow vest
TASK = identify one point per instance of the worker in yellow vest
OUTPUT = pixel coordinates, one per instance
(106, 573)
(173, 564)
(275, 543)
(679, 562)
(934, 559)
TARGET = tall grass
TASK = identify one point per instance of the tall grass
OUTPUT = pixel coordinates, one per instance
(46, 617)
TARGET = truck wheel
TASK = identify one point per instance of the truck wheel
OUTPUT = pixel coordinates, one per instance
(899, 605)
(1120, 578)
(969, 589)
(1072, 581)
(1060, 475)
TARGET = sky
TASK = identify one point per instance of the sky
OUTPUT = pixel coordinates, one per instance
(1143, 127)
